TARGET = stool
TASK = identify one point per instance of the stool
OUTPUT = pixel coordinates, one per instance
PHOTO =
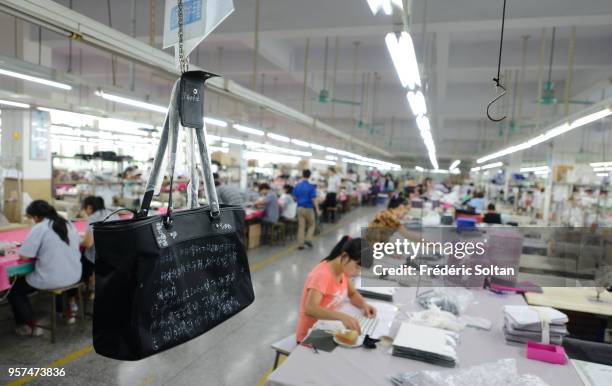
(283, 347)
(291, 228)
(275, 233)
(60, 292)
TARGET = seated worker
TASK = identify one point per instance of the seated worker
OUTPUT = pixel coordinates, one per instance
(477, 202)
(288, 204)
(95, 210)
(328, 285)
(226, 194)
(269, 203)
(54, 243)
(396, 200)
(492, 217)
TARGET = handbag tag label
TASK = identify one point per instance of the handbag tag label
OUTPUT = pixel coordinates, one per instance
(192, 101)
(162, 236)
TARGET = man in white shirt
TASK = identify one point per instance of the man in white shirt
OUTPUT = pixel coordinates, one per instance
(333, 185)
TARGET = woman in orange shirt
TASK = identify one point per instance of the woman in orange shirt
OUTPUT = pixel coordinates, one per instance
(328, 285)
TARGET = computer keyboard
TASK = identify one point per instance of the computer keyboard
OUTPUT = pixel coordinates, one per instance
(367, 325)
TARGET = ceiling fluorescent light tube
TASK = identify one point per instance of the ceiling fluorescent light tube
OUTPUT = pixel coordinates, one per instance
(418, 168)
(300, 143)
(215, 122)
(454, 165)
(386, 7)
(375, 5)
(35, 79)
(132, 102)
(493, 165)
(321, 161)
(552, 133)
(248, 130)
(591, 118)
(404, 59)
(534, 169)
(603, 169)
(317, 147)
(416, 100)
(281, 138)
(597, 164)
(398, 3)
(234, 141)
(14, 104)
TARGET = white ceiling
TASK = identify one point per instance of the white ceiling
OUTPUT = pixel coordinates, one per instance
(462, 47)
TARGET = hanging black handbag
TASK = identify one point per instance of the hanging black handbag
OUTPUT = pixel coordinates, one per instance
(165, 279)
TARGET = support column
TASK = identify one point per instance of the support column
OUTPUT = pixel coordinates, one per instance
(25, 151)
(514, 166)
(553, 161)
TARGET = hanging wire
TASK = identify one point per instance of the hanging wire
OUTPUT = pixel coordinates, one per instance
(184, 61)
(113, 58)
(354, 91)
(497, 79)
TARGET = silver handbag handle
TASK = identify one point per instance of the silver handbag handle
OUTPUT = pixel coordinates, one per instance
(170, 133)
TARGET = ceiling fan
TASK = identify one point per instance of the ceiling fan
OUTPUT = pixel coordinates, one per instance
(548, 93)
(324, 95)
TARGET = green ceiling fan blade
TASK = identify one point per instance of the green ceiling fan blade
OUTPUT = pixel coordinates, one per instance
(324, 97)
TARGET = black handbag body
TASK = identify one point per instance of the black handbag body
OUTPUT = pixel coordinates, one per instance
(165, 279)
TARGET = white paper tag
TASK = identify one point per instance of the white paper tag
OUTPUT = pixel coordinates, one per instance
(200, 18)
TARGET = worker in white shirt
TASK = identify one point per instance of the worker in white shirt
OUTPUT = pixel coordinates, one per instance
(333, 186)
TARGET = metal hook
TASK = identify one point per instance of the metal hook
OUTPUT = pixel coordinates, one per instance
(495, 100)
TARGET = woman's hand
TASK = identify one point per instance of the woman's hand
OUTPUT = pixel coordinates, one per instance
(369, 310)
(351, 323)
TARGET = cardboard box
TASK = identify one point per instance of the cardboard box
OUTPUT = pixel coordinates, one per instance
(222, 158)
(254, 236)
(12, 201)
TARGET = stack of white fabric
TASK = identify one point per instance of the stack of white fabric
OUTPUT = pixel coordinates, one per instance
(426, 344)
(532, 323)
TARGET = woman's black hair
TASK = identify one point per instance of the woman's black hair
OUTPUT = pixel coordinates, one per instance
(352, 247)
(41, 208)
(96, 203)
(288, 188)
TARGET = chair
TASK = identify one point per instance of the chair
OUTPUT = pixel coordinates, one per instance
(283, 347)
(61, 292)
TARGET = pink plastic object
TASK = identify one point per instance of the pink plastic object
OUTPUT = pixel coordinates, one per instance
(550, 353)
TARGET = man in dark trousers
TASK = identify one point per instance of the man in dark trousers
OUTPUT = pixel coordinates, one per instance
(305, 195)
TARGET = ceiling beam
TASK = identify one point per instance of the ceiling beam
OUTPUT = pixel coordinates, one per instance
(448, 27)
(52, 15)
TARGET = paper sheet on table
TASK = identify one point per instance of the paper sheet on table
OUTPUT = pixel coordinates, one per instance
(385, 312)
(593, 374)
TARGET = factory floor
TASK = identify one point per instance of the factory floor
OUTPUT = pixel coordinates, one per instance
(236, 353)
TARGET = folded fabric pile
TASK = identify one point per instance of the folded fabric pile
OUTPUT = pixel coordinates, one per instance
(426, 344)
(502, 372)
(435, 317)
(532, 323)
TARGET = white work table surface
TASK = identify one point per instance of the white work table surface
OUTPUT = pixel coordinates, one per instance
(360, 366)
